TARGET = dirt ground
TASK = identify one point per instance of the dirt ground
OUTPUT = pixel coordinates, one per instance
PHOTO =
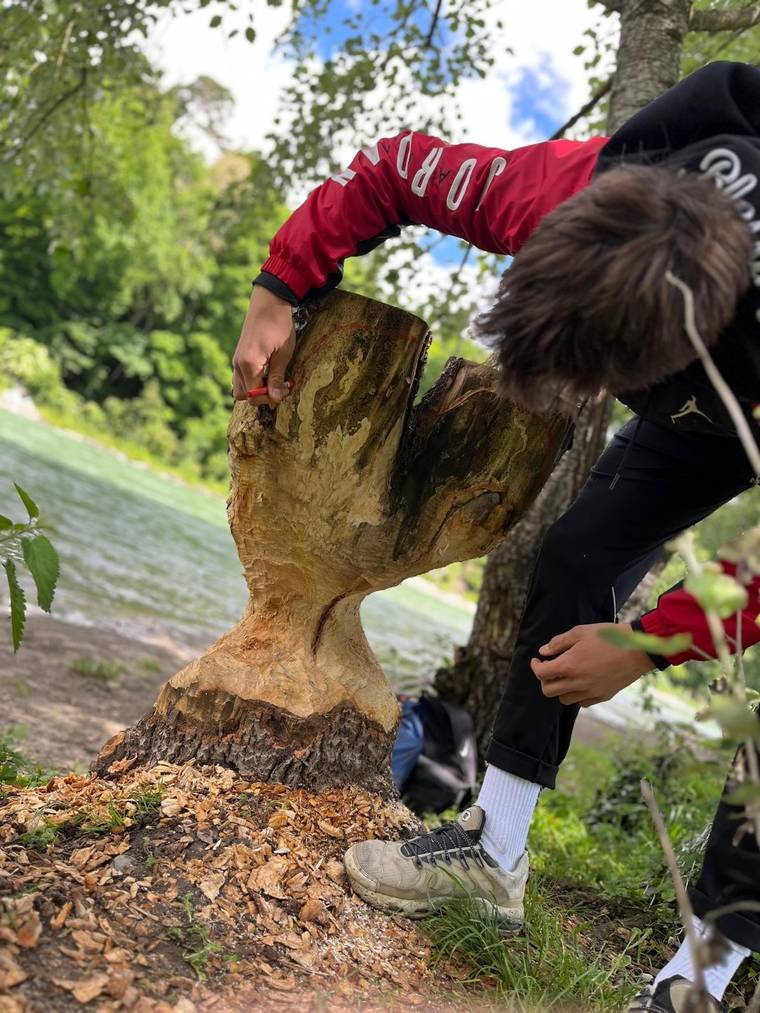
(181, 890)
(67, 715)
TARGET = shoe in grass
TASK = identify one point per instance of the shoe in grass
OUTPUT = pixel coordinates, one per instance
(422, 875)
(674, 995)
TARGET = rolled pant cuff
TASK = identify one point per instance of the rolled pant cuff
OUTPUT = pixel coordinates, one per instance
(737, 927)
(529, 768)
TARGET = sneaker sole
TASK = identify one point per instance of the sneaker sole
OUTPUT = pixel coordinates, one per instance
(510, 919)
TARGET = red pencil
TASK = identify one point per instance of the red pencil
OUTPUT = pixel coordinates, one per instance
(261, 391)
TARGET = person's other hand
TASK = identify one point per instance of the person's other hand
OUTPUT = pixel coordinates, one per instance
(265, 348)
(581, 668)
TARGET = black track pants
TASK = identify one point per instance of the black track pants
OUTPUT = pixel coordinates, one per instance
(591, 560)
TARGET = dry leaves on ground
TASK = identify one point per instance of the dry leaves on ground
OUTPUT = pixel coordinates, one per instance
(158, 879)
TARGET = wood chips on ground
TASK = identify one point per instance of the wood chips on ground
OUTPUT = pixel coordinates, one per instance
(179, 889)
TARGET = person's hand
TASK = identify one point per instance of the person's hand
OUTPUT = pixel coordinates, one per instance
(585, 669)
(265, 348)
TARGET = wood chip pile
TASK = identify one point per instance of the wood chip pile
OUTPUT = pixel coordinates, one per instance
(183, 889)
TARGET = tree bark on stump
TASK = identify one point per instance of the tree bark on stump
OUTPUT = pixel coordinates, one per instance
(346, 489)
(652, 34)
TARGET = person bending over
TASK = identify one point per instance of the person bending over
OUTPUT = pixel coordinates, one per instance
(585, 308)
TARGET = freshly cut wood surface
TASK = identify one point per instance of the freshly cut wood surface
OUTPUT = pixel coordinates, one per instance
(348, 488)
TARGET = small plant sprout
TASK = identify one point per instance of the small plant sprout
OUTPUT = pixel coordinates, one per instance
(193, 935)
(103, 671)
(23, 543)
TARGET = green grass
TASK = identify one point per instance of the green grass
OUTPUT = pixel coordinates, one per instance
(545, 967)
(599, 906)
(15, 767)
(147, 666)
(146, 802)
(41, 838)
(193, 936)
(113, 819)
(21, 686)
(104, 670)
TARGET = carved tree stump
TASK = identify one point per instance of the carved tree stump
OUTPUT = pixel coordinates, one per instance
(346, 489)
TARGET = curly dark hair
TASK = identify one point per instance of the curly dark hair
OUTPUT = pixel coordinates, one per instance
(585, 306)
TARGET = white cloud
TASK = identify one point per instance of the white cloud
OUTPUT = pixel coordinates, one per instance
(185, 47)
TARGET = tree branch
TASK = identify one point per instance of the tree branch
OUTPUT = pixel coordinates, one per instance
(433, 23)
(724, 20)
(682, 897)
(45, 116)
(584, 110)
(612, 6)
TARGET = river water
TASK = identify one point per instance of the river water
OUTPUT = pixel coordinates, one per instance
(147, 556)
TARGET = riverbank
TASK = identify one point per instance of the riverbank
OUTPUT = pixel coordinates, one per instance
(71, 687)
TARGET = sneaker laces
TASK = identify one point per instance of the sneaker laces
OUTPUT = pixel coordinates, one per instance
(450, 839)
(644, 1002)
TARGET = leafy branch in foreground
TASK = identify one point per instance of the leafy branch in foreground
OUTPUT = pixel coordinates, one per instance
(23, 543)
(720, 596)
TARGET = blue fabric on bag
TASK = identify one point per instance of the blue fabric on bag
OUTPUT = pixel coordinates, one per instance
(409, 742)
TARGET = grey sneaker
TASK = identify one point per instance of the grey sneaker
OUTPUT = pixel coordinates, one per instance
(674, 995)
(422, 875)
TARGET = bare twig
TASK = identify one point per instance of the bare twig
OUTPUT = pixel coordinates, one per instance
(433, 23)
(682, 897)
(724, 20)
(729, 909)
(584, 110)
(724, 391)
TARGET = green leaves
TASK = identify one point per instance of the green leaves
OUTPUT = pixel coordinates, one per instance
(744, 794)
(31, 507)
(26, 541)
(18, 604)
(717, 592)
(737, 721)
(636, 640)
(42, 560)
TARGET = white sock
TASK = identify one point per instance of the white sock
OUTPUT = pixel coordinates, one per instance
(717, 977)
(508, 802)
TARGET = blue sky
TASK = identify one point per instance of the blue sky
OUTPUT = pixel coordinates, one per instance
(333, 30)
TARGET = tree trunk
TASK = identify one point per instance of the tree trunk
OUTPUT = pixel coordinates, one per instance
(347, 489)
(652, 34)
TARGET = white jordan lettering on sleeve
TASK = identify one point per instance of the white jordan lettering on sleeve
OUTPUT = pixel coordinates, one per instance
(423, 174)
(460, 184)
(373, 153)
(498, 166)
(344, 177)
(404, 155)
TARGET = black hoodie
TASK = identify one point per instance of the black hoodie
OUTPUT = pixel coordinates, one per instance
(708, 123)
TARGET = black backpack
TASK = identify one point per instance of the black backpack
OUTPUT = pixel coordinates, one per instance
(445, 774)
